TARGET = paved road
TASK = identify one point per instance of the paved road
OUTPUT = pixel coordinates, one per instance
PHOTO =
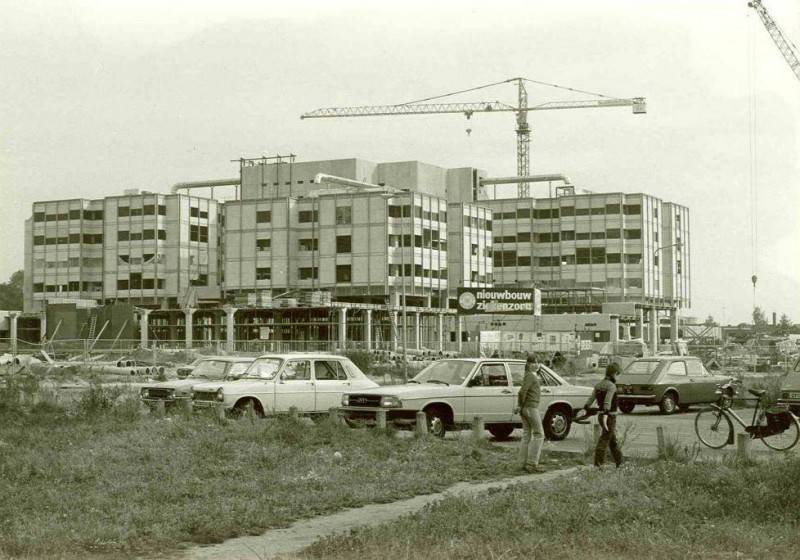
(639, 430)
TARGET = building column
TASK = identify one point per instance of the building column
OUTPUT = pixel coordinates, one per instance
(395, 329)
(368, 329)
(640, 324)
(43, 327)
(626, 331)
(459, 331)
(440, 325)
(417, 318)
(673, 325)
(144, 326)
(342, 328)
(188, 312)
(230, 328)
(614, 328)
(12, 331)
(654, 330)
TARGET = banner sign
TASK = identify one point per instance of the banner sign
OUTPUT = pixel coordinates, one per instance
(479, 301)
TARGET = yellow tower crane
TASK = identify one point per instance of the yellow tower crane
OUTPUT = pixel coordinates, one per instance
(421, 107)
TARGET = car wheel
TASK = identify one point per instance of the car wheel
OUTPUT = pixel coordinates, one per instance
(557, 422)
(246, 408)
(627, 407)
(501, 431)
(669, 403)
(437, 421)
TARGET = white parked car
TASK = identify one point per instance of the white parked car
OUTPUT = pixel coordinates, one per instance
(313, 383)
(452, 392)
(210, 368)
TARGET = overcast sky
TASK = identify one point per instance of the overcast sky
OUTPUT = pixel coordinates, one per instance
(101, 96)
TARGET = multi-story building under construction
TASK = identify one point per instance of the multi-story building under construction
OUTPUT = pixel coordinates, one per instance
(347, 252)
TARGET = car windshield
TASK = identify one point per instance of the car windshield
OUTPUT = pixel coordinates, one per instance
(641, 367)
(452, 372)
(263, 368)
(209, 369)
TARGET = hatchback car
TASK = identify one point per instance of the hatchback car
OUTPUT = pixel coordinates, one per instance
(669, 382)
(790, 389)
(274, 383)
(452, 392)
(204, 369)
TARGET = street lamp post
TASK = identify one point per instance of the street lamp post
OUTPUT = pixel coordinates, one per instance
(654, 336)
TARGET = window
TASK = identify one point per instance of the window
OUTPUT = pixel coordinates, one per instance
(310, 244)
(568, 235)
(677, 368)
(136, 280)
(523, 237)
(612, 208)
(148, 283)
(162, 234)
(38, 216)
(635, 283)
(75, 214)
(583, 255)
(307, 216)
(149, 234)
(633, 234)
(633, 258)
(523, 213)
(308, 273)
(343, 244)
(523, 261)
(74, 237)
(329, 371)
(162, 209)
(263, 216)
(631, 209)
(38, 239)
(38, 287)
(149, 209)
(122, 284)
(583, 211)
(344, 215)
(263, 244)
(124, 211)
(598, 255)
(296, 370)
(136, 211)
(612, 233)
(264, 273)
(194, 212)
(567, 211)
(344, 273)
(613, 258)
(198, 233)
(124, 235)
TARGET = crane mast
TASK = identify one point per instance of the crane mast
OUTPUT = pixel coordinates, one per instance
(521, 111)
(786, 48)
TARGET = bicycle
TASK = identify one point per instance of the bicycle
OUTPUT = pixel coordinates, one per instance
(777, 428)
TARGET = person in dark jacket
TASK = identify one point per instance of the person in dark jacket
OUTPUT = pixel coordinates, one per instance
(530, 446)
(605, 393)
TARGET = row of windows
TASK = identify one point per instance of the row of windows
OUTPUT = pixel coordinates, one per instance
(125, 235)
(344, 272)
(569, 211)
(404, 211)
(198, 233)
(86, 238)
(145, 210)
(74, 214)
(589, 255)
(570, 235)
(74, 286)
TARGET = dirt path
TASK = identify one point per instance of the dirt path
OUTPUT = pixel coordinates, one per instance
(289, 541)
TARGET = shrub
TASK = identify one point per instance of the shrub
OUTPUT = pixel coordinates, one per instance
(361, 358)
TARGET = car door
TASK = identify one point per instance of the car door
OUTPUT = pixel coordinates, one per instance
(330, 381)
(489, 393)
(550, 392)
(676, 376)
(295, 387)
(703, 384)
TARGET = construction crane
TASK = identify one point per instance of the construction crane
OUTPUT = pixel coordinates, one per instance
(523, 130)
(788, 50)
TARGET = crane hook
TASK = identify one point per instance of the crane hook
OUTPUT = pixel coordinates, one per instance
(468, 131)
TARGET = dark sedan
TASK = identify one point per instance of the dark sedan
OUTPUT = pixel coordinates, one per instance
(669, 382)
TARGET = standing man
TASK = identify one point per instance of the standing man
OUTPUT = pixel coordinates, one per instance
(605, 392)
(530, 447)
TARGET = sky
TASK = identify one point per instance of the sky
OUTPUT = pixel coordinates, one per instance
(101, 96)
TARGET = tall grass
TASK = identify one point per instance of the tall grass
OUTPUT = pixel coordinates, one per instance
(664, 509)
(101, 479)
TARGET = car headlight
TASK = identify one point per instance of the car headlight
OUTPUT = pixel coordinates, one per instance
(220, 396)
(145, 392)
(345, 400)
(391, 402)
(191, 394)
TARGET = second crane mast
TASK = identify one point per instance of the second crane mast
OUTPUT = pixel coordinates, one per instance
(521, 110)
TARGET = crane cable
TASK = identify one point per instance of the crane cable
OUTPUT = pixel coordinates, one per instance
(753, 146)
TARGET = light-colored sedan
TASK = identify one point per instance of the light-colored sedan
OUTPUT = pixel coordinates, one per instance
(453, 392)
(210, 368)
(274, 383)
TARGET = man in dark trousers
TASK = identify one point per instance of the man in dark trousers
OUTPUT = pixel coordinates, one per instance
(605, 392)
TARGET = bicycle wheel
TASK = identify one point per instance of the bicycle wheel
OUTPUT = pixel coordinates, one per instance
(786, 439)
(713, 427)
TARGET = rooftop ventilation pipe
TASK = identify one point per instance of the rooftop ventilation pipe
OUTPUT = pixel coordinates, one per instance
(527, 179)
(367, 187)
(205, 184)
